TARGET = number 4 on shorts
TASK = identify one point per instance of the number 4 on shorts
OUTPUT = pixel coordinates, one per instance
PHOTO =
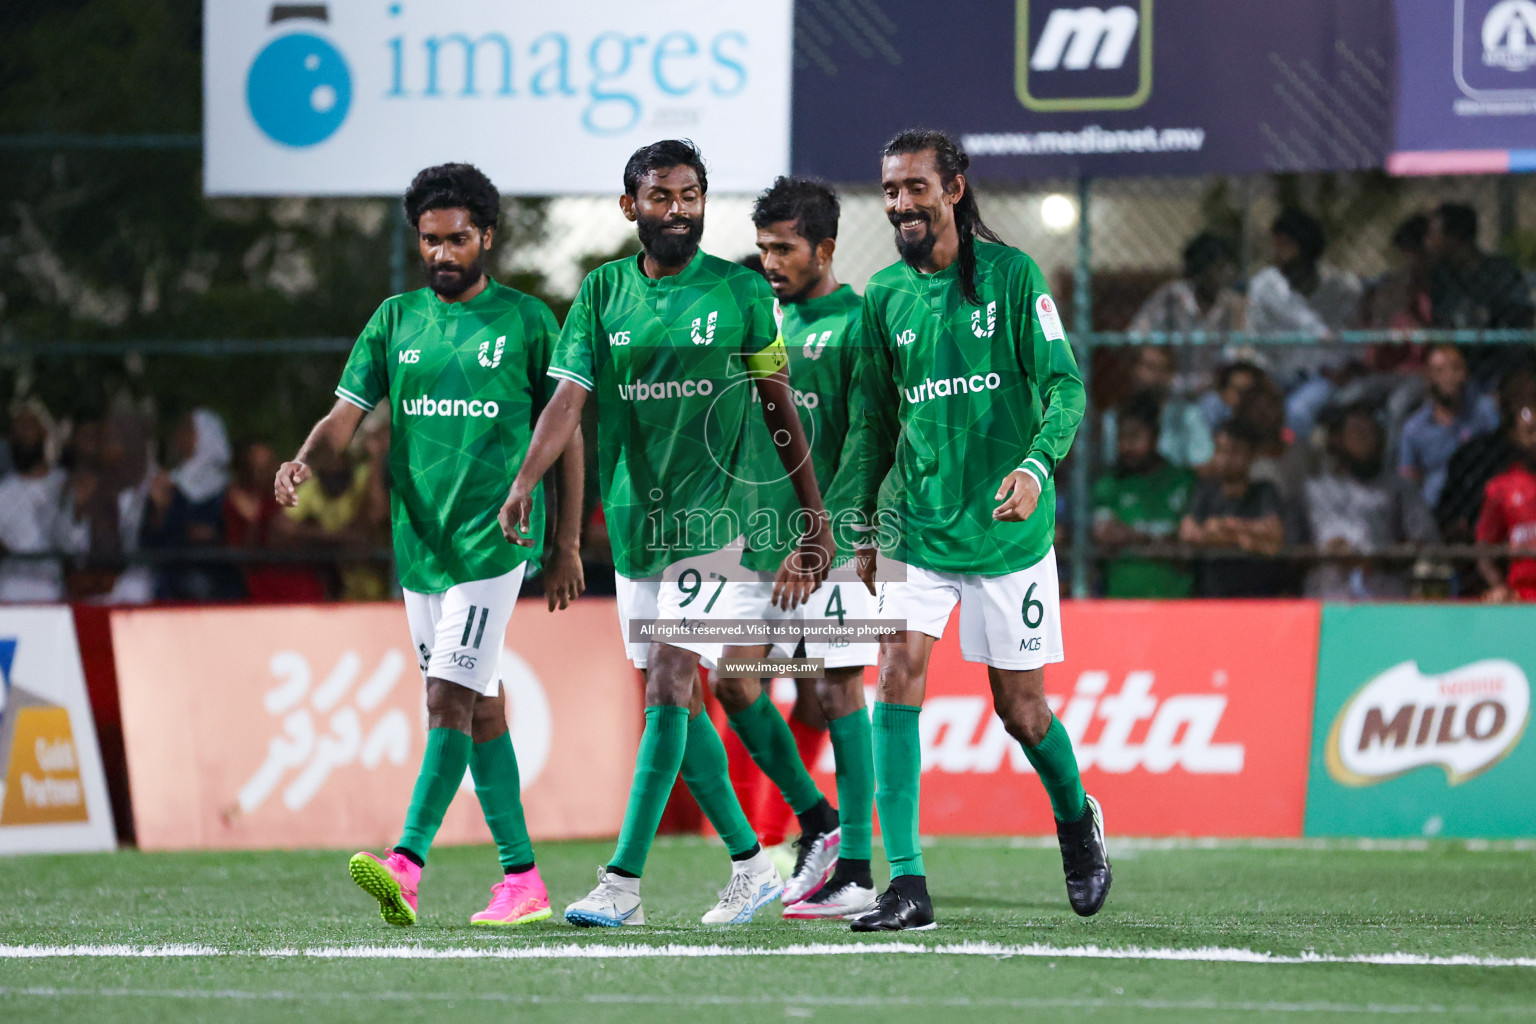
(835, 604)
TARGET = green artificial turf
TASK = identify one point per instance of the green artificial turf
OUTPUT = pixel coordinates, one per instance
(1436, 899)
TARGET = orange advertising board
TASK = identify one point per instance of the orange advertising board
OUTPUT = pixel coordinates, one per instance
(304, 726)
(1189, 718)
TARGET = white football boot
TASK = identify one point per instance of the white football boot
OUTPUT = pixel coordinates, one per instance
(754, 884)
(614, 903)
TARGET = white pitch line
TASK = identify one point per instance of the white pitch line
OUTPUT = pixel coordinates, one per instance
(787, 1000)
(634, 951)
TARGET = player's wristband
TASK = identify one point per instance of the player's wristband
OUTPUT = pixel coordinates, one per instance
(1036, 469)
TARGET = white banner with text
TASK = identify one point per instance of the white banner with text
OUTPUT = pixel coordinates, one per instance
(355, 98)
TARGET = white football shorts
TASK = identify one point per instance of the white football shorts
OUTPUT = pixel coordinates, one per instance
(458, 634)
(1010, 622)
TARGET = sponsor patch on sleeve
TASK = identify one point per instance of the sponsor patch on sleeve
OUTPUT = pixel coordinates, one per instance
(1049, 319)
(769, 361)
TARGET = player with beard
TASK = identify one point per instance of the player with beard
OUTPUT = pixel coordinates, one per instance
(463, 365)
(968, 381)
(672, 343)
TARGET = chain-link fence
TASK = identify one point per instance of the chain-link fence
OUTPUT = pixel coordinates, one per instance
(123, 293)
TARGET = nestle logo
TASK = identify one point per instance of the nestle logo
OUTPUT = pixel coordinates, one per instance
(1465, 721)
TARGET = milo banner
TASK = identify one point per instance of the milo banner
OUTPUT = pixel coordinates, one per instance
(53, 796)
(1420, 728)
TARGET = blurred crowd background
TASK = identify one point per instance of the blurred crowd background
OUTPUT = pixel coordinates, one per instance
(1319, 384)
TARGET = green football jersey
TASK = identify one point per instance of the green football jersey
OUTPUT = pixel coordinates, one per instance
(670, 361)
(465, 382)
(820, 339)
(1153, 504)
(957, 396)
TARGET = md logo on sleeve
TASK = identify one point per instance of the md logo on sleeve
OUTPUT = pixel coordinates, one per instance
(299, 88)
(1071, 55)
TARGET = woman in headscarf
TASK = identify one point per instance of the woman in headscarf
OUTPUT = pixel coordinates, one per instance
(185, 511)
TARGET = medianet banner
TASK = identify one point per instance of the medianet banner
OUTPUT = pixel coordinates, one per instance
(1066, 88)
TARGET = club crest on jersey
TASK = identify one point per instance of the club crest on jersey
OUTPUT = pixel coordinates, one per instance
(815, 345)
(991, 327)
(906, 337)
(491, 360)
(708, 333)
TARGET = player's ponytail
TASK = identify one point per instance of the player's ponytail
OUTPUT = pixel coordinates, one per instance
(952, 162)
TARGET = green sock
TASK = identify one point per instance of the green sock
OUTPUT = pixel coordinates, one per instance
(442, 769)
(656, 766)
(767, 738)
(855, 783)
(898, 758)
(1056, 764)
(708, 776)
(494, 766)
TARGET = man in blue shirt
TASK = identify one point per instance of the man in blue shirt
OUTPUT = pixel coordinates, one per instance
(1450, 417)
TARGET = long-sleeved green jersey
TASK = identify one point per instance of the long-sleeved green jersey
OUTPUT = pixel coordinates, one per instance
(955, 397)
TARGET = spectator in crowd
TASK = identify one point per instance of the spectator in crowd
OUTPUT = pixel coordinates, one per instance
(339, 508)
(1451, 416)
(1301, 294)
(1357, 508)
(110, 479)
(1508, 515)
(35, 514)
(186, 511)
(1399, 299)
(250, 509)
(1468, 287)
(1231, 510)
(1233, 381)
(1203, 299)
(127, 473)
(1184, 438)
(1142, 501)
(1278, 456)
(1480, 460)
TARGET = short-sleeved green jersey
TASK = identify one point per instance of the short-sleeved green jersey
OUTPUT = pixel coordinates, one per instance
(821, 341)
(670, 361)
(465, 382)
(1151, 503)
(956, 397)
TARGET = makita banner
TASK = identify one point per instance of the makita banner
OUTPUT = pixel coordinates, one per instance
(1190, 718)
(290, 727)
(1422, 714)
(1064, 88)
